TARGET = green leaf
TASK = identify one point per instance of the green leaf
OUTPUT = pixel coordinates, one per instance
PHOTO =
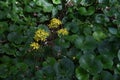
(81, 74)
(104, 75)
(119, 55)
(54, 12)
(86, 2)
(100, 1)
(13, 70)
(112, 30)
(87, 31)
(28, 9)
(91, 64)
(9, 50)
(89, 43)
(47, 7)
(56, 1)
(73, 26)
(73, 52)
(50, 61)
(5, 59)
(62, 43)
(91, 10)
(22, 66)
(3, 27)
(79, 42)
(99, 35)
(71, 38)
(43, 27)
(118, 67)
(46, 73)
(44, 18)
(101, 18)
(64, 68)
(82, 10)
(39, 75)
(106, 61)
(112, 1)
(103, 1)
(3, 70)
(15, 37)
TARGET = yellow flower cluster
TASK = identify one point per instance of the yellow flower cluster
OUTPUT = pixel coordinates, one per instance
(41, 35)
(35, 45)
(63, 31)
(54, 23)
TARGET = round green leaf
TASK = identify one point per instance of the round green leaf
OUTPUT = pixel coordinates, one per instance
(90, 64)
(91, 10)
(81, 74)
(106, 61)
(104, 75)
(15, 37)
(79, 42)
(82, 10)
(65, 67)
(112, 30)
(98, 35)
(89, 43)
(101, 18)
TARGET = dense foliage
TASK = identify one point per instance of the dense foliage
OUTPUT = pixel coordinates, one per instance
(59, 39)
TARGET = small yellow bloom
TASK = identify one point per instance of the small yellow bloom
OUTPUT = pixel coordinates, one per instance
(54, 23)
(35, 45)
(74, 58)
(63, 32)
(41, 35)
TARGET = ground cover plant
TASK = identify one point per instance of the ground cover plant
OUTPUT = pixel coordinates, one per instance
(59, 39)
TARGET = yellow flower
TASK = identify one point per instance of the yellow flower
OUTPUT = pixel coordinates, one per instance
(63, 32)
(41, 35)
(54, 23)
(74, 58)
(35, 45)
